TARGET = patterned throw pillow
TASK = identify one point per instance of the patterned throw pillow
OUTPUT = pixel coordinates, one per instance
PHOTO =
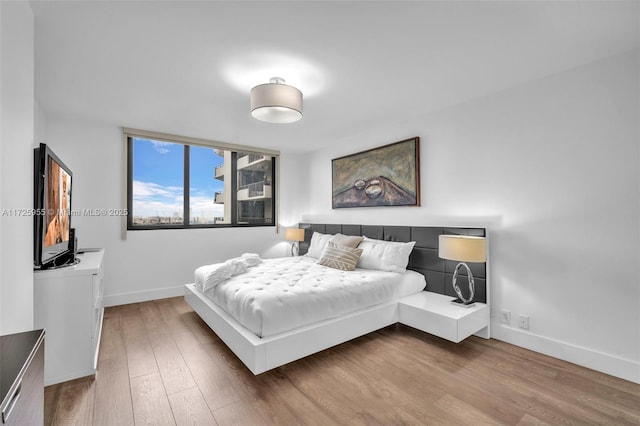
(340, 257)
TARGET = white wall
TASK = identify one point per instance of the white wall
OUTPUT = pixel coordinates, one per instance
(40, 125)
(551, 167)
(151, 264)
(16, 166)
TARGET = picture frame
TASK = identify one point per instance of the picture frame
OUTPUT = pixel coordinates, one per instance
(388, 175)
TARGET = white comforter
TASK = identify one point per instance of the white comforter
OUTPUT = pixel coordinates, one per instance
(286, 293)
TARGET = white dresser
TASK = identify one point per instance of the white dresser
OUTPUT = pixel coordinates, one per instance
(68, 304)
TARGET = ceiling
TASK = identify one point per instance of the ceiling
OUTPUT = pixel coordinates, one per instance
(187, 67)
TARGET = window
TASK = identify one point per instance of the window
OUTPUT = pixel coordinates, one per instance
(172, 184)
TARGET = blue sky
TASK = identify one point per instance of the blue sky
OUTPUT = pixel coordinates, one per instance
(158, 179)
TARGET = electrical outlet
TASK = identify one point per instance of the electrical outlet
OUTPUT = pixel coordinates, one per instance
(505, 316)
(524, 322)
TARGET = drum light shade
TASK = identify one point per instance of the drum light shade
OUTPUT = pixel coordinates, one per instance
(294, 234)
(462, 248)
(276, 102)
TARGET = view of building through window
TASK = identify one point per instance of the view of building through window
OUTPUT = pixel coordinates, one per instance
(202, 186)
(158, 190)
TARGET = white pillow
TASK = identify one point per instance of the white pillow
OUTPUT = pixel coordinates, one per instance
(387, 256)
(318, 244)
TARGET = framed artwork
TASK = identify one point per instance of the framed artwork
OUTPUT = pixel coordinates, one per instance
(385, 176)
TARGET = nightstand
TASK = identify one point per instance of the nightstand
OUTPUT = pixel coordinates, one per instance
(434, 314)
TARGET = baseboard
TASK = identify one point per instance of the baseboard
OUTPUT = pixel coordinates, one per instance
(143, 296)
(606, 363)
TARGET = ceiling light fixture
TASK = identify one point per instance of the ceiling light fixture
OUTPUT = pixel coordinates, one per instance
(276, 102)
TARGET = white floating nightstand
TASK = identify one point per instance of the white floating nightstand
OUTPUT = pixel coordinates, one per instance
(435, 314)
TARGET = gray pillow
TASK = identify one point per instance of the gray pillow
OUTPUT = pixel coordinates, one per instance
(346, 240)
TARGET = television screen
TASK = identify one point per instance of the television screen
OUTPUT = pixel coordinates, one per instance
(58, 204)
(52, 204)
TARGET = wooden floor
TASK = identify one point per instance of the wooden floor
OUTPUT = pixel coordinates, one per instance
(160, 364)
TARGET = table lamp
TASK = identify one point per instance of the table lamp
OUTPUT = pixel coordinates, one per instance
(463, 249)
(294, 235)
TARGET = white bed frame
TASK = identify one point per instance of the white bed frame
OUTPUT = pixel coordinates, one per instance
(263, 354)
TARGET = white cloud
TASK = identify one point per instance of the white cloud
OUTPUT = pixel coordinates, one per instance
(143, 190)
(156, 208)
(204, 206)
(151, 199)
(161, 147)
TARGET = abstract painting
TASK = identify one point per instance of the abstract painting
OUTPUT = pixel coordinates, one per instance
(385, 176)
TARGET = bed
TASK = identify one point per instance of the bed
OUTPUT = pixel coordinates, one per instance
(357, 302)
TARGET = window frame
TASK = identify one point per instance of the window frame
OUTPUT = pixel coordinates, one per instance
(131, 134)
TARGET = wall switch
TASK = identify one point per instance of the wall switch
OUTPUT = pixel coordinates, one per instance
(524, 322)
(505, 316)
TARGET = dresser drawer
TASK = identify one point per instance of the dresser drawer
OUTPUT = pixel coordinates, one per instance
(97, 281)
(97, 319)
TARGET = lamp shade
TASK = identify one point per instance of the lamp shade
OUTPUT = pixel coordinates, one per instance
(294, 234)
(462, 248)
(276, 102)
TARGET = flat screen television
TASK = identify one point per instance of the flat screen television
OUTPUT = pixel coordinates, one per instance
(52, 207)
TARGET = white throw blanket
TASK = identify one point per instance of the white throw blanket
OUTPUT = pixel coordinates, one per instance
(209, 276)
